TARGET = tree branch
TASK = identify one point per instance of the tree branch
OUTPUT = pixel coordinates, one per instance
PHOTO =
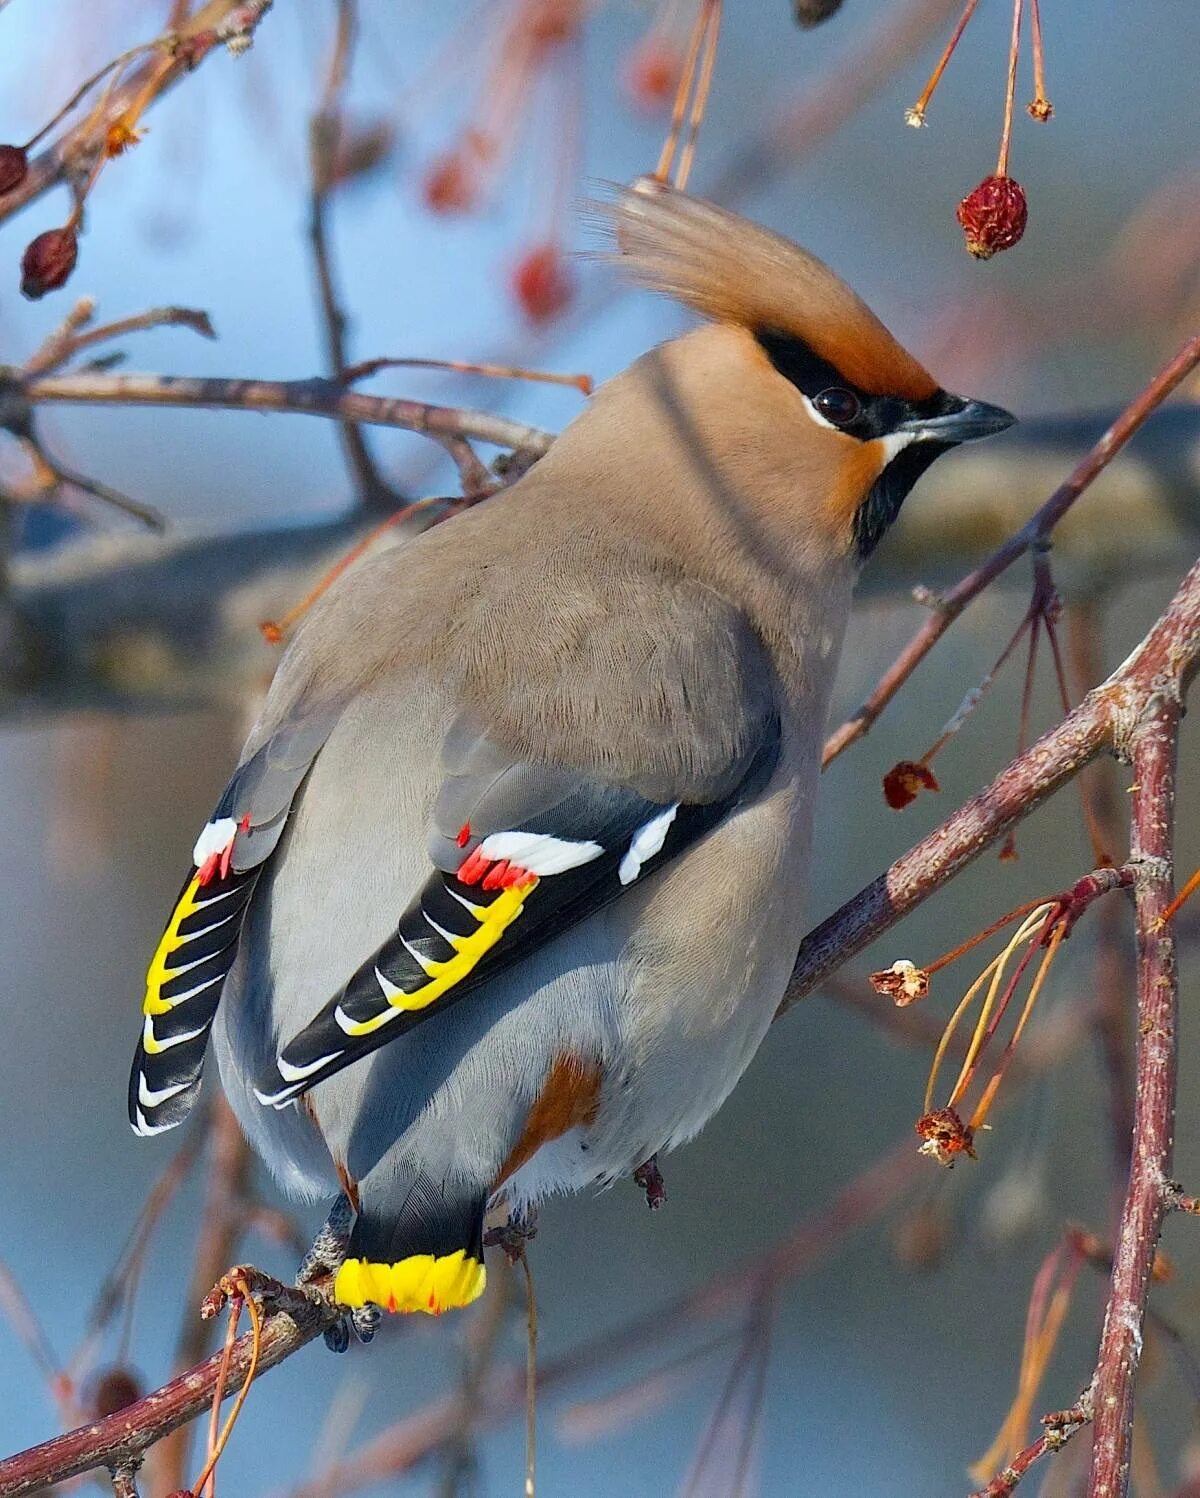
(313, 397)
(1154, 745)
(291, 1319)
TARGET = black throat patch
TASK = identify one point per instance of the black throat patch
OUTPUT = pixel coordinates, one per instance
(877, 512)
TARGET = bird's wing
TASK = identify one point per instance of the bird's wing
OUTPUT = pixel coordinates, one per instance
(188, 970)
(520, 851)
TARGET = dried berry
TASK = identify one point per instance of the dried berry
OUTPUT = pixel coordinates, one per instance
(48, 262)
(904, 781)
(14, 163)
(120, 136)
(540, 283)
(946, 1136)
(451, 185)
(904, 982)
(360, 150)
(993, 216)
(813, 12)
(112, 1389)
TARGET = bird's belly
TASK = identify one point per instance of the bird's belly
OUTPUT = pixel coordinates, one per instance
(691, 1003)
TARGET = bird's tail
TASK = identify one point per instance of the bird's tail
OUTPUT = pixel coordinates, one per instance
(425, 1254)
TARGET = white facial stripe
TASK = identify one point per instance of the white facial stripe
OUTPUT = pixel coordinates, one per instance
(896, 442)
(538, 852)
(893, 442)
(215, 838)
(645, 843)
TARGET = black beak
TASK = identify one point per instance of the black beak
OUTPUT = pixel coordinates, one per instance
(963, 421)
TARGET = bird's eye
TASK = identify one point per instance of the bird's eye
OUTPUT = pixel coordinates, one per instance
(840, 407)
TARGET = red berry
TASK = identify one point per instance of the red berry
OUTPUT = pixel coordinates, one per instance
(451, 185)
(652, 72)
(48, 262)
(993, 216)
(811, 13)
(540, 283)
(550, 23)
(904, 781)
(14, 163)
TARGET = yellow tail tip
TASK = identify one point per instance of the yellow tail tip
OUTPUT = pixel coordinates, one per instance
(422, 1282)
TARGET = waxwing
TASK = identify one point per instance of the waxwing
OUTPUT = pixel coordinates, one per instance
(508, 884)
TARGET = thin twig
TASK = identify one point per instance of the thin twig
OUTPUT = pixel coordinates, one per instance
(1113, 981)
(222, 1220)
(69, 341)
(325, 131)
(314, 397)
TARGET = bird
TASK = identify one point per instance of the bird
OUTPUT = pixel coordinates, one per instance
(507, 886)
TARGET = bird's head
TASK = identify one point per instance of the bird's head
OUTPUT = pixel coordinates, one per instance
(838, 398)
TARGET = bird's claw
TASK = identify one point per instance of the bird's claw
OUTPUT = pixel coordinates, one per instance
(364, 1320)
(329, 1247)
(649, 1178)
(337, 1336)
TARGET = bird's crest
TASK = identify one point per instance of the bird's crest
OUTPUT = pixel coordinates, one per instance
(734, 271)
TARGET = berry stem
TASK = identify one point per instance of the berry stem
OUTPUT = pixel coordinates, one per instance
(1014, 49)
(916, 115)
(1040, 108)
(666, 159)
(712, 21)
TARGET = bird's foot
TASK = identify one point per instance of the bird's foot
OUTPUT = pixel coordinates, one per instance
(649, 1178)
(513, 1235)
(322, 1262)
(329, 1247)
(363, 1321)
